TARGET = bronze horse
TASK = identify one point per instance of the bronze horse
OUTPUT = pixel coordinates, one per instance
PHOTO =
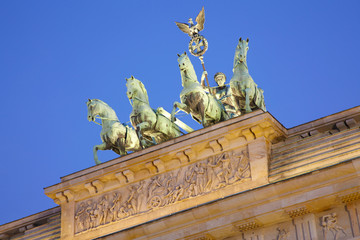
(246, 95)
(203, 107)
(151, 126)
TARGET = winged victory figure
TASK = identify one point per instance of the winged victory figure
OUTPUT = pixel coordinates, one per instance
(192, 29)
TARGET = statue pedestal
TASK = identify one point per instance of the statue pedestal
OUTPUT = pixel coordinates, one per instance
(177, 175)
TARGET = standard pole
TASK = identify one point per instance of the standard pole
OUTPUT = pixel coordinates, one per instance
(203, 65)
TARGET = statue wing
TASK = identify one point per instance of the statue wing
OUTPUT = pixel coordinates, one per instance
(200, 19)
(183, 27)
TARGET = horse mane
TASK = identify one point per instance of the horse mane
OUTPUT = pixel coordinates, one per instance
(237, 52)
(191, 73)
(98, 100)
(143, 89)
(105, 104)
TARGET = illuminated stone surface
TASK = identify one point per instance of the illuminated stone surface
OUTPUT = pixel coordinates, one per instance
(244, 178)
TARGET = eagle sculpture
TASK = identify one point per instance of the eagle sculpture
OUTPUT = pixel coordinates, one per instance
(192, 29)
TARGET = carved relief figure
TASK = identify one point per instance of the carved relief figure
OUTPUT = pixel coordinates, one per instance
(222, 169)
(193, 180)
(329, 224)
(102, 210)
(226, 169)
(199, 169)
(81, 216)
(157, 190)
(113, 212)
(210, 174)
(132, 202)
(241, 168)
(91, 211)
(282, 234)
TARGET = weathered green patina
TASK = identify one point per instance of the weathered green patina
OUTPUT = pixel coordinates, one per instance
(202, 106)
(151, 126)
(246, 95)
(222, 92)
(114, 135)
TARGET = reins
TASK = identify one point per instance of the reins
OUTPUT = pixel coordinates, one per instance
(102, 118)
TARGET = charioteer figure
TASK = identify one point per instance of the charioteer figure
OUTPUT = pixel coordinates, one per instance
(221, 92)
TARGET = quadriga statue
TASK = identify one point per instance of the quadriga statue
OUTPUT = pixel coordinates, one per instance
(114, 135)
(151, 126)
(203, 107)
(246, 95)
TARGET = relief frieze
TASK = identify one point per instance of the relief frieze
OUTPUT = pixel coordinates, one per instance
(196, 179)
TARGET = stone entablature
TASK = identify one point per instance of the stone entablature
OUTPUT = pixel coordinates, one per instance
(42, 225)
(298, 208)
(245, 178)
(185, 172)
(315, 145)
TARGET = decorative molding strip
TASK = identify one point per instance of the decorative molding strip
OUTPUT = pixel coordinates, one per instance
(215, 146)
(159, 165)
(257, 131)
(344, 125)
(351, 123)
(120, 176)
(90, 188)
(298, 212)
(244, 227)
(69, 195)
(182, 157)
(224, 143)
(129, 175)
(151, 167)
(99, 185)
(248, 134)
(350, 197)
(61, 198)
(201, 236)
(190, 154)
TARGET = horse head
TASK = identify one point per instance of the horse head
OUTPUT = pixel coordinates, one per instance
(136, 89)
(184, 62)
(241, 52)
(93, 109)
(186, 68)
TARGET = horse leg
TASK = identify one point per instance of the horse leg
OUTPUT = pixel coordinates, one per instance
(224, 114)
(139, 135)
(139, 129)
(172, 118)
(234, 101)
(201, 109)
(121, 146)
(204, 109)
(183, 107)
(236, 105)
(96, 148)
(247, 100)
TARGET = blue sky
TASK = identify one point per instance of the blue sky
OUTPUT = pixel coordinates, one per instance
(54, 55)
